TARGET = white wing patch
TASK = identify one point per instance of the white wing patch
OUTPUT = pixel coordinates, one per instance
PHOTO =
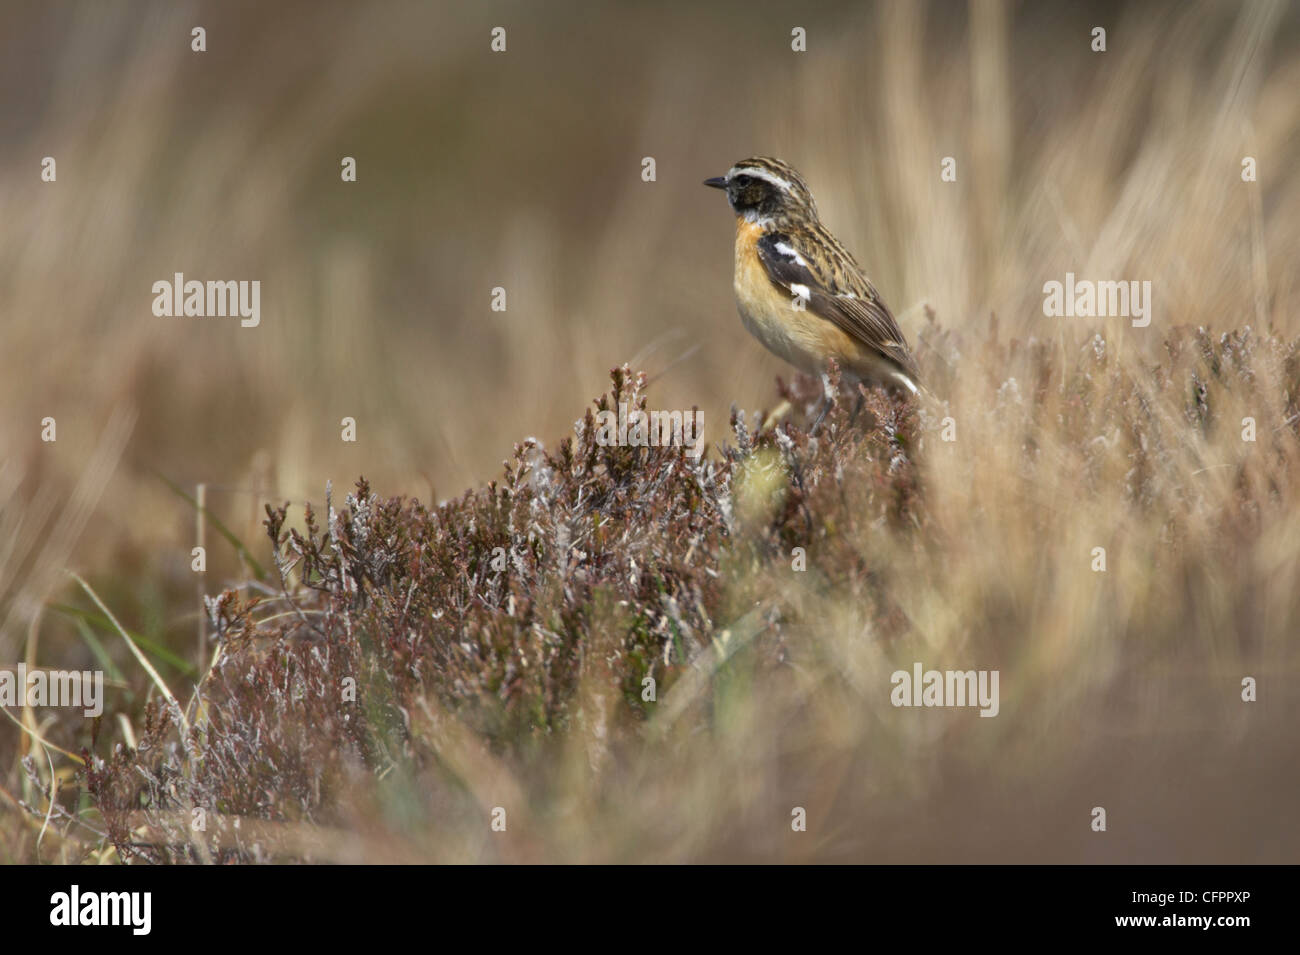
(791, 252)
(907, 382)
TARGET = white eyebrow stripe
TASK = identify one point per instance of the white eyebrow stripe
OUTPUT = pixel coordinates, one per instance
(788, 250)
(760, 174)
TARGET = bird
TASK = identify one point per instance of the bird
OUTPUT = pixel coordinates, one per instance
(799, 290)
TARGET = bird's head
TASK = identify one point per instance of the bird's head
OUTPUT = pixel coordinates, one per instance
(766, 190)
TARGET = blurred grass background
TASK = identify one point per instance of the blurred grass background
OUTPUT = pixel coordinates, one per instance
(523, 170)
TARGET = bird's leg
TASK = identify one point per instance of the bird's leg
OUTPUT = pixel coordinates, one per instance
(857, 405)
(827, 400)
(826, 406)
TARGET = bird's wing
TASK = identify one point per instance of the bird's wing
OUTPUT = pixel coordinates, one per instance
(859, 312)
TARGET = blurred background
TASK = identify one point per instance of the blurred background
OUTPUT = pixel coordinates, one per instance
(523, 170)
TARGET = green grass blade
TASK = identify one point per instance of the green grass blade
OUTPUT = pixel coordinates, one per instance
(101, 655)
(224, 531)
(157, 650)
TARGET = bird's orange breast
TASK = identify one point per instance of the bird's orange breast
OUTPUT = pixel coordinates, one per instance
(799, 336)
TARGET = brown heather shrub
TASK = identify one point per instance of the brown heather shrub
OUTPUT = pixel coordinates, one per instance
(619, 560)
(522, 688)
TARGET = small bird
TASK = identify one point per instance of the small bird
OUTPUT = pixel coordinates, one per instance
(799, 291)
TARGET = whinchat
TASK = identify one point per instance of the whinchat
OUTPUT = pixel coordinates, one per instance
(800, 292)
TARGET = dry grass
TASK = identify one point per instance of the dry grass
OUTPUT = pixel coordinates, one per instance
(1119, 689)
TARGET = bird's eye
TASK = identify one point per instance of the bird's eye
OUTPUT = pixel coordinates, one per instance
(743, 181)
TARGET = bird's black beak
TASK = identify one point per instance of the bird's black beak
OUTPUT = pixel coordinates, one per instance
(717, 182)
